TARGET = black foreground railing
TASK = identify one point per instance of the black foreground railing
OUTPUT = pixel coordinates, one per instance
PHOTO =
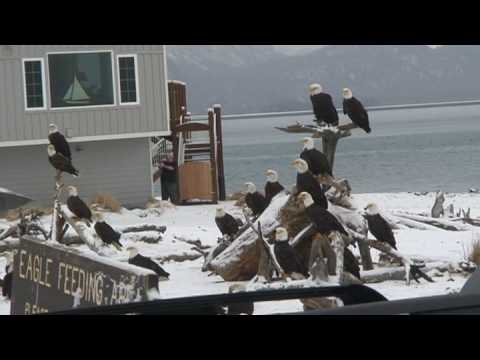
(213, 304)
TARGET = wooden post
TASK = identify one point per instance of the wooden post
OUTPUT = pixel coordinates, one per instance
(330, 140)
(221, 173)
(213, 162)
(56, 228)
(176, 145)
(339, 247)
(329, 145)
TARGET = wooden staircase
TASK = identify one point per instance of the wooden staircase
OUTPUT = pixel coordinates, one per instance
(197, 161)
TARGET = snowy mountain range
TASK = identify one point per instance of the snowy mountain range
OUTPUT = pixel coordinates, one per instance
(266, 78)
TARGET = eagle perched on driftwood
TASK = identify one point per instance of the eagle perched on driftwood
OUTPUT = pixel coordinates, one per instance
(287, 257)
(307, 182)
(378, 226)
(355, 111)
(226, 223)
(57, 139)
(323, 107)
(255, 201)
(77, 206)
(317, 161)
(60, 162)
(273, 186)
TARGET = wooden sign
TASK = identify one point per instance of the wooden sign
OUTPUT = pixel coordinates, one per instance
(53, 277)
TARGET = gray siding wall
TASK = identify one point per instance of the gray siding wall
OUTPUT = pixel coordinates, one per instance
(119, 167)
(150, 116)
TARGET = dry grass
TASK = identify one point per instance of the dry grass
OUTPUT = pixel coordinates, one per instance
(106, 201)
(159, 204)
(238, 197)
(474, 254)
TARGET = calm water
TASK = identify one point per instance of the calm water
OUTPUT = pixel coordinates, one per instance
(408, 150)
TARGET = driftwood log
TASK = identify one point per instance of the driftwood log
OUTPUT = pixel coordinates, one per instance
(329, 135)
(411, 267)
(239, 262)
(141, 228)
(29, 224)
(444, 224)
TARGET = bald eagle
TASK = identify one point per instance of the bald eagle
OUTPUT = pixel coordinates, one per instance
(355, 111)
(107, 234)
(255, 201)
(59, 142)
(350, 263)
(323, 220)
(272, 187)
(134, 258)
(317, 161)
(378, 226)
(60, 162)
(287, 257)
(323, 107)
(307, 182)
(226, 223)
(77, 206)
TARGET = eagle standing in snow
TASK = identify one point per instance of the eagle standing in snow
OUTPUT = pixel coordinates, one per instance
(272, 187)
(77, 206)
(255, 201)
(107, 234)
(323, 107)
(378, 226)
(287, 257)
(59, 142)
(316, 160)
(226, 223)
(355, 111)
(60, 162)
(323, 220)
(307, 182)
(134, 258)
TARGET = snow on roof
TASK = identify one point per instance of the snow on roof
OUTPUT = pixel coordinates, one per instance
(10, 192)
(6, 191)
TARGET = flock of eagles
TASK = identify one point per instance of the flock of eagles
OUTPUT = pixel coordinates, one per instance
(310, 165)
(60, 157)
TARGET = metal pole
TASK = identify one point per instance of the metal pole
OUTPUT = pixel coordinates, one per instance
(221, 173)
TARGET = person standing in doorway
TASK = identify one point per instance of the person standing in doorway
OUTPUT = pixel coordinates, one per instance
(169, 178)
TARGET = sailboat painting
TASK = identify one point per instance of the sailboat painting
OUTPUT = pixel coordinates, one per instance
(76, 94)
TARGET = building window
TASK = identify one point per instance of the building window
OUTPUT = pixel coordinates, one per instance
(81, 79)
(34, 89)
(128, 79)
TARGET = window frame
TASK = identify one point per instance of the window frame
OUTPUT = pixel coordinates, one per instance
(88, 106)
(137, 88)
(44, 91)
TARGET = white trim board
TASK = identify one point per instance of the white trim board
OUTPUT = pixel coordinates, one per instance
(167, 97)
(87, 138)
(137, 87)
(44, 80)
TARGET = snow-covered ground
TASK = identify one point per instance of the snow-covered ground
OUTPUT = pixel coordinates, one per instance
(197, 223)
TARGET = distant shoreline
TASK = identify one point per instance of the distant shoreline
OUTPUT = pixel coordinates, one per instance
(371, 108)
